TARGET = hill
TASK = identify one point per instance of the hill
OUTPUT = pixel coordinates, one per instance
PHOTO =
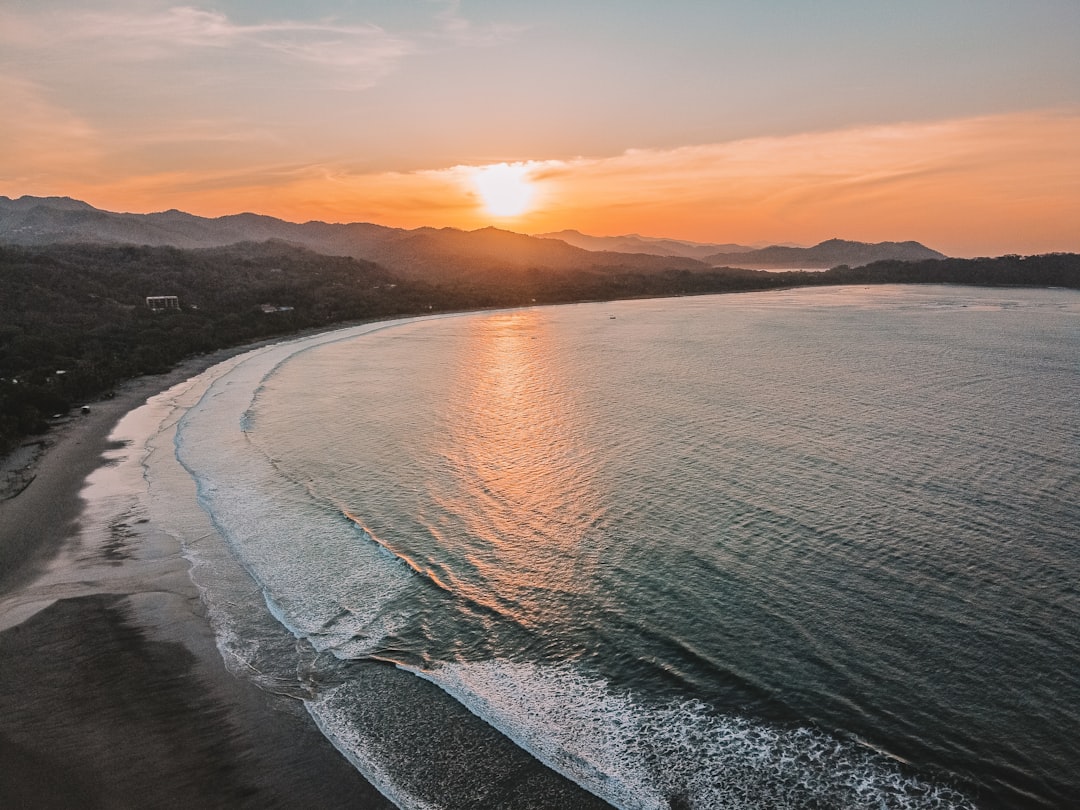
(633, 243)
(74, 319)
(431, 254)
(830, 253)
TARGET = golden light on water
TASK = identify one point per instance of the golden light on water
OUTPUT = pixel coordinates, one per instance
(525, 478)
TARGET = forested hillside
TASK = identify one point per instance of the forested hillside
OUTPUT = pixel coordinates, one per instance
(74, 319)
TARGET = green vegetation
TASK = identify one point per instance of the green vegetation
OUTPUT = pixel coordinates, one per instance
(74, 320)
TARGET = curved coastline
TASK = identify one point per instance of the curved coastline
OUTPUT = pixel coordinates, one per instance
(296, 416)
(115, 582)
(416, 738)
(149, 604)
(112, 690)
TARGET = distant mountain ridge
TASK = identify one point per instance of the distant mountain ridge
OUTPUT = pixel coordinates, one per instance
(635, 243)
(830, 253)
(430, 253)
(423, 253)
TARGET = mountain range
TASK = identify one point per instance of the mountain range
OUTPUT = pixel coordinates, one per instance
(423, 253)
(635, 243)
(822, 256)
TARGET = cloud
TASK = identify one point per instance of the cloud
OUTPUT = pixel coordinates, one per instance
(141, 35)
(137, 33)
(986, 185)
(455, 28)
(1010, 177)
(842, 161)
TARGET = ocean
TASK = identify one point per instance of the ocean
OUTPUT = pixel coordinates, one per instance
(816, 548)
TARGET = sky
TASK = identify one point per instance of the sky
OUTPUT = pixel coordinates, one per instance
(955, 123)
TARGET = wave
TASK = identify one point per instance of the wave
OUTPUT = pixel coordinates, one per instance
(305, 582)
(639, 756)
(615, 744)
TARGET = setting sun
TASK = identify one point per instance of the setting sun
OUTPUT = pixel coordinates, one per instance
(505, 188)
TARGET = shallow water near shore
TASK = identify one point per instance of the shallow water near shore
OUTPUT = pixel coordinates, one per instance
(813, 548)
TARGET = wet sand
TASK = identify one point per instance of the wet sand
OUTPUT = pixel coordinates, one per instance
(112, 691)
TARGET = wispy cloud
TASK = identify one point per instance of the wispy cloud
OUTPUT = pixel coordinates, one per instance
(946, 182)
(145, 34)
(454, 27)
(949, 182)
(981, 185)
(181, 31)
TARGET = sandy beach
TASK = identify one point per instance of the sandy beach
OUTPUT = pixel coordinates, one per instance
(112, 691)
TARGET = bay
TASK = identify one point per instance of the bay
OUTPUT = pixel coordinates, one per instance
(811, 548)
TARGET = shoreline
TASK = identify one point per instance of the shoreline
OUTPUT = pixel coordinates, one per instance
(41, 506)
(112, 690)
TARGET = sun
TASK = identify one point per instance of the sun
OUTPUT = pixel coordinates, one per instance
(505, 188)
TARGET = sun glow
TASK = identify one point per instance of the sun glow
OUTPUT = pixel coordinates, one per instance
(505, 188)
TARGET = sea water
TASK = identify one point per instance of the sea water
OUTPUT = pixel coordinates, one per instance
(809, 548)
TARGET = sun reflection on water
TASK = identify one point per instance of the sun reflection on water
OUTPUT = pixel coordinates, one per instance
(522, 495)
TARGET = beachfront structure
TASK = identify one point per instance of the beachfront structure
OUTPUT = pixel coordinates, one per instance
(161, 302)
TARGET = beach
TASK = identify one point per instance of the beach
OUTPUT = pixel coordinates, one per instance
(201, 620)
(112, 690)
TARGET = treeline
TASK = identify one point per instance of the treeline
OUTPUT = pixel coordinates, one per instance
(74, 320)
(1048, 270)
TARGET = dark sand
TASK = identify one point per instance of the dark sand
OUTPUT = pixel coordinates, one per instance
(113, 693)
(99, 708)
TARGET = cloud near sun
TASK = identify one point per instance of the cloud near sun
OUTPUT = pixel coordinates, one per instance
(946, 183)
(952, 184)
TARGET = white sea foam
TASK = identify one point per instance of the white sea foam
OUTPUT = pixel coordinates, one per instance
(330, 713)
(308, 560)
(632, 752)
(645, 757)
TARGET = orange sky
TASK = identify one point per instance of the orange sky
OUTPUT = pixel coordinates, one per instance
(148, 106)
(1008, 183)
